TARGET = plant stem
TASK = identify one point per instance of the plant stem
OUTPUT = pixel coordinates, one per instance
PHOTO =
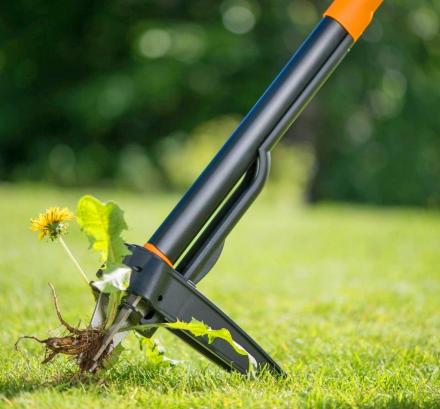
(75, 261)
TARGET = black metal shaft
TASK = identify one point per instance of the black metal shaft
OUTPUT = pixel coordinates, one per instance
(282, 102)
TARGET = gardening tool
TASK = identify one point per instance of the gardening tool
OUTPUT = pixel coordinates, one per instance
(186, 246)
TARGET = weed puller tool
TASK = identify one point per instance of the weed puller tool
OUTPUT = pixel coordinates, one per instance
(188, 243)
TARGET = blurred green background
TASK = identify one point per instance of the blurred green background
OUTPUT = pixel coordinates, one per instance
(140, 94)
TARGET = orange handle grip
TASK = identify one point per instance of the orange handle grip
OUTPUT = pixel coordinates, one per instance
(354, 15)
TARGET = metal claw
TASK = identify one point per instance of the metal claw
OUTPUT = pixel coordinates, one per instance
(114, 336)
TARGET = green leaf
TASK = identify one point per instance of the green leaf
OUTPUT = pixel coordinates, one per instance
(103, 224)
(199, 329)
(114, 299)
(155, 352)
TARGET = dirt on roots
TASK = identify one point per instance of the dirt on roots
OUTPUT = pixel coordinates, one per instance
(79, 344)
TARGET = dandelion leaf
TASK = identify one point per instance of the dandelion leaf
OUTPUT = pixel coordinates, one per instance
(103, 223)
(200, 329)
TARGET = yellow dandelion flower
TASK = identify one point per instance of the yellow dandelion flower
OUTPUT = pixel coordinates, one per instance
(52, 223)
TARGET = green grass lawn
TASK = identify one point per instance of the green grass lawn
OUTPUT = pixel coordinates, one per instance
(346, 299)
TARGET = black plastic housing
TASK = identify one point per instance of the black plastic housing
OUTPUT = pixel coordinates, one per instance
(169, 297)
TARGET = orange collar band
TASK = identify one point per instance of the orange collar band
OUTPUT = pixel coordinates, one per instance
(354, 15)
(153, 249)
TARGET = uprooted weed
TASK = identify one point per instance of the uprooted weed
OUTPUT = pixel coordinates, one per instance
(80, 344)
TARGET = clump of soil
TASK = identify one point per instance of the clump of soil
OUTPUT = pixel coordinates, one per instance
(80, 344)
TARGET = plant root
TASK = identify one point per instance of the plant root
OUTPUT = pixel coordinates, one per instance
(80, 344)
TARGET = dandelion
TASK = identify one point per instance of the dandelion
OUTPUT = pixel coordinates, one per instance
(53, 225)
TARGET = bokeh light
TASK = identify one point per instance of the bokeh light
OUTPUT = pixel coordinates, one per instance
(154, 43)
(424, 22)
(238, 17)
